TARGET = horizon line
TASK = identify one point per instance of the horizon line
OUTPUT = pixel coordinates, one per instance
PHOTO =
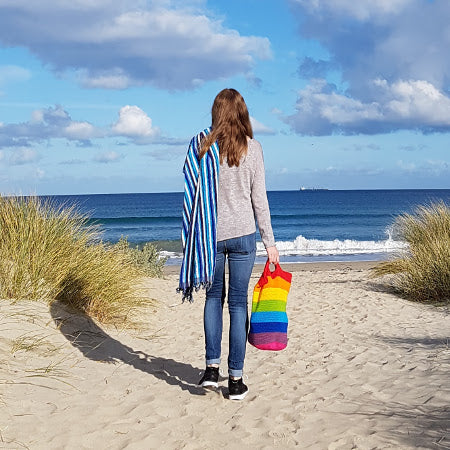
(269, 190)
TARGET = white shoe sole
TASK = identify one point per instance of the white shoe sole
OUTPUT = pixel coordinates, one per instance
(210, 384)
(238, 396)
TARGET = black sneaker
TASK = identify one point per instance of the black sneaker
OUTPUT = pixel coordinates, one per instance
(210, 377)
(237, 390)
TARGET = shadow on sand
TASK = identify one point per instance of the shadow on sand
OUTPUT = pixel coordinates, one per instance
(94, 343)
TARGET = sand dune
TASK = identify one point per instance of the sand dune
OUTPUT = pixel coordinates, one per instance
(363, 370)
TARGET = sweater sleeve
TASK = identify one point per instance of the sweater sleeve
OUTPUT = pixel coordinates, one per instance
(259, 200)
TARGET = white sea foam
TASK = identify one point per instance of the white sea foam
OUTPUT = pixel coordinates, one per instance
(166, 254)
(303, 246)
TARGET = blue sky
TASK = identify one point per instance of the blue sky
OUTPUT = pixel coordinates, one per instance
(104, 96)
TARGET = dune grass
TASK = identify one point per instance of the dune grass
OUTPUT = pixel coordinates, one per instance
(49, 252)
(37, 343)
(422, 272)
(146, 257)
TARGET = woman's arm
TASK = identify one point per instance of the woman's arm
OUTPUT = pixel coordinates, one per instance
(261, 206)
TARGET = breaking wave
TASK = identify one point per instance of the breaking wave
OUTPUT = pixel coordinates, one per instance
(302, 246)
(314, 247)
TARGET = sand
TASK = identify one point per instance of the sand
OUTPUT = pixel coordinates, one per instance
(363, 369)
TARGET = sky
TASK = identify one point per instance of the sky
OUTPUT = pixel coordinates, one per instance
(104, 96)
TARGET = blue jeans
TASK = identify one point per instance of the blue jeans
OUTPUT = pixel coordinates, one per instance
(241, 253)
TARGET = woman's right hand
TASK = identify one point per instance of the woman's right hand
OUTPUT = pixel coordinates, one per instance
(273, 255)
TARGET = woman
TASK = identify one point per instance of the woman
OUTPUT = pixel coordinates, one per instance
(224, 193)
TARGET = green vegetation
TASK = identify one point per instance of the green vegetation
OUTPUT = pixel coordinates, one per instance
(146, 258)
(422, 272)
(49, 252)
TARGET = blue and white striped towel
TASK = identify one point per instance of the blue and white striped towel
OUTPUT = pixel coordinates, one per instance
(199, 217)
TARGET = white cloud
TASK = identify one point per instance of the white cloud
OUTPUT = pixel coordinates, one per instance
(417, 101)
(115, 80)
(22, 156)
(56, 123)
(406, 166)
(134, 122)
(438, 167)
(37, 116)
(108, 157)
(80, 131)
(413, 104)
(114, 44)
(429, 168)
(47, 123)
(392, 56)
(259, 128)
(362, 9)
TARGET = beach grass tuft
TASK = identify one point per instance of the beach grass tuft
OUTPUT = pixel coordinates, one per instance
(33, 343)
(146, 257)
(49, 252)
(422, 272)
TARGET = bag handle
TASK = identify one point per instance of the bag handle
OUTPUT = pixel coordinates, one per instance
(268, 272)
(277, 272)
(267, 268)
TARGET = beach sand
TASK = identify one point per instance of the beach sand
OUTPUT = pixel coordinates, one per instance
(363, 369)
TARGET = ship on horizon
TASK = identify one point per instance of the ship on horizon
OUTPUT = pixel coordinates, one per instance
(303, 188)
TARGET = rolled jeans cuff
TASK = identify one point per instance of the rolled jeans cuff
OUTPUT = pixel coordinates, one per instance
(212, 361)
(235, 373)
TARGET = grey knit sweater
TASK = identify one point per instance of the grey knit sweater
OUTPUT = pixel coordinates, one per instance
(242, 197)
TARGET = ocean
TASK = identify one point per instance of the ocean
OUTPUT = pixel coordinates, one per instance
(309, 225)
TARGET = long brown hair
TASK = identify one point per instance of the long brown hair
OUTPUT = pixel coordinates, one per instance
(230, 127)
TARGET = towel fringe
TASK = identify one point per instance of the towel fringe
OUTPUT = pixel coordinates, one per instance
(188, 290)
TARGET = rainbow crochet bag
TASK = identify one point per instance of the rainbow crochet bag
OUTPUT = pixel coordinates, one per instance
(269, 322)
